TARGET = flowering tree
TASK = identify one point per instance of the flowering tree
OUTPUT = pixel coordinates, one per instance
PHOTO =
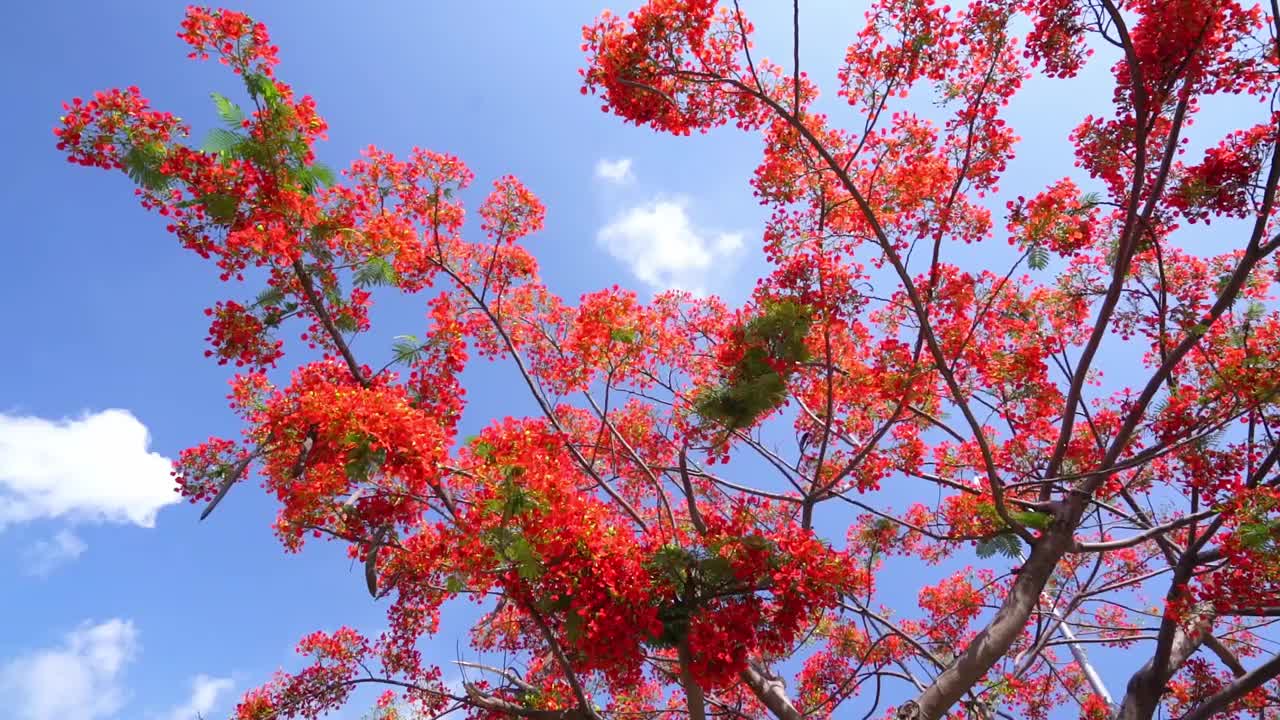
(626, 562)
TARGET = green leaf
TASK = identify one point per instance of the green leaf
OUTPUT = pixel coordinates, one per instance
(623, 335)
(514, 500)
(499, 537)
(1254, 311)
(716, 570)
(276, 315)
(988, 512)
(988, 548)
(773, 340)
(220, 208)
(671, 563)
(377, 271)
(573, 624)
(305, 179)
(363, 461)
(671, 556)
(557, 605)
(1038, 257)
(454, 584)
(261, 86)
(1254, 535)
(346, 323)
(528, 565)
(483, 449)
(1033, 519)
(142, 163)
(323, 174)
(273, 295)
(1005, 544)
(406, 349)
(222, 142)
(230, 113)
(675, 626)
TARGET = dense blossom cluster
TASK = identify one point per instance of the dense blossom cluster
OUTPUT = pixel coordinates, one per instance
(650, 543)
(104, 130)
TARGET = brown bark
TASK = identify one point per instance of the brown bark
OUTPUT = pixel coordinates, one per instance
(994, 641)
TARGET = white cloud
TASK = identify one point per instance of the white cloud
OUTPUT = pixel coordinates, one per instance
(660, 245)
(80, 679)
(96, 467)
(44, 556)
(614, 171)
(205, 691)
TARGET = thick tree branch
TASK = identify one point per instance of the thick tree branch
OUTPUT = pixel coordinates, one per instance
(770, 691)
(695, 701)
(1147, 685)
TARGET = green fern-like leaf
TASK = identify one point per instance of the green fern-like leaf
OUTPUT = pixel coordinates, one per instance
(754, 386)
(1038, 257)
(406, 349)
(346, 323)
(142, 163)
(1254, 311)
(1256, 536)
(377, 271)
(1005, 544)
(323, 174)
(363, 461)
(306, 179)
(271, 296)
(221, 208)
(230, 113)
(261, 86)
(623, 335)
(222, 142)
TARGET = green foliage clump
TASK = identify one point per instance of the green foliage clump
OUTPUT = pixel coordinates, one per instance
(1005, 542)
(773, 342)
(697, 579)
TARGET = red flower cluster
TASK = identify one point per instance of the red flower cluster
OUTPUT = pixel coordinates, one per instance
(237, 334)
(236, 38)
(104, 130)
(648, 537)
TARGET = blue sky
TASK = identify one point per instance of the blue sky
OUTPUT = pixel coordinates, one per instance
(116, 596)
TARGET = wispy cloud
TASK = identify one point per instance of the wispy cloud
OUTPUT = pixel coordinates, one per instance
(95, 468)
(44, 556)
(663, 248)
(206, 691)
(81, 678)
(614, 171)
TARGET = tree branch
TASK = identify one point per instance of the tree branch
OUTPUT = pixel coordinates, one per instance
(322, 314)
(1238, 688)
(770, 691)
